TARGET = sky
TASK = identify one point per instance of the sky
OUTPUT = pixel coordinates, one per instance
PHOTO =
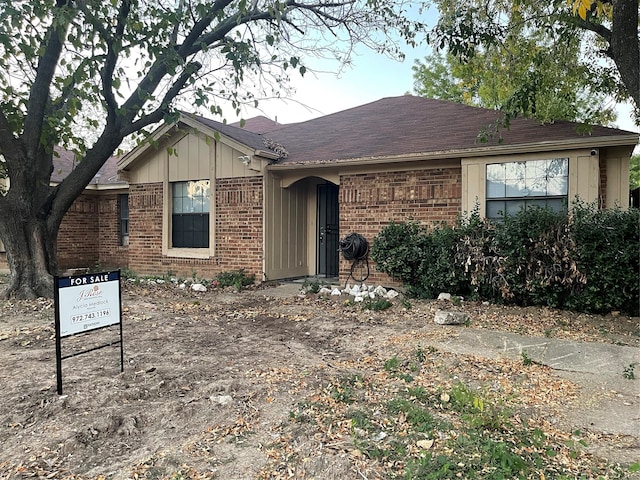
(372, 77)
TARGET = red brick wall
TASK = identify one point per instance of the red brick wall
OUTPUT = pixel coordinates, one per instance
(145, 228)
(602, 187)
(238, 231)
(79, 234)
(239, 227)
(89, 234)
(368, 202)
(110, 253)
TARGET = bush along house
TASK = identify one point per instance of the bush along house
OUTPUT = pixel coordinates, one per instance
(275, 200)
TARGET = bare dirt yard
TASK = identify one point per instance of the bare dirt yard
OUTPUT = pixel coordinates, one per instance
(269, 384)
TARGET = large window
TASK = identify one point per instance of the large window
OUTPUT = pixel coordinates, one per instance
(516, 185)
(190, 214)
(123, 217)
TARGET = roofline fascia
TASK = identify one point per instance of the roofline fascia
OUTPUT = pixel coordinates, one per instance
(192, 122)
(211, 132)
(232, 142)
(592, 142)
(266, 154)
(133, 155)
(100, 187)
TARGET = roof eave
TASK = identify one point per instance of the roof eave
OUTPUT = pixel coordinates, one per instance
(137, 152)
(482, 151)
(194, 123)
(93, 187)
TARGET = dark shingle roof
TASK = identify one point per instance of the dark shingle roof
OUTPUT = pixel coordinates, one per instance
(64, 161)
(412, 125)
(244, 136)
(259, 124)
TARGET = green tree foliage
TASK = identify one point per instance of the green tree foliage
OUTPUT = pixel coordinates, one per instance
(541, 59)
(491, 80)
(86, 75)
(634, 172)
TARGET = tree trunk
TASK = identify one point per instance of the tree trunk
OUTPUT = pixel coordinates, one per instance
(625, 46)
(31, 257)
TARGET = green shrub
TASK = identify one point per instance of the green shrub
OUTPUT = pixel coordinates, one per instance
(440, 272)
(398, 251)
(423, 262)
(235, 278)
(587, 262)
(608, 254)
(377, 304)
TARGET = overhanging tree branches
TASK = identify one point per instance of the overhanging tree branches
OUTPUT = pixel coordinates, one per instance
(605, 30)
(132, 60)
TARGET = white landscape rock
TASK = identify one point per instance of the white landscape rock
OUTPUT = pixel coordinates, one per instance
(198, 287)
(336, 292)
(324, 291)
(380, 291)
(391, 294)
(446, 317)
(222, 399)
(444, 296)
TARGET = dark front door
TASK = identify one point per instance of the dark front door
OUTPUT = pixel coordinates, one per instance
(328, 230)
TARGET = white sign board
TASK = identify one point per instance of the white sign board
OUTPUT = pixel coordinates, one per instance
(87, 302)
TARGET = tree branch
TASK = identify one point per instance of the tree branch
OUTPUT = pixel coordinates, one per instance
(157, 72)
(113, 46)
(9, 145)
(596, 28)
(39, 94)
(171, 94)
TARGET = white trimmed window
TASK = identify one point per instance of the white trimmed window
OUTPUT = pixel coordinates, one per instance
(190, 214)
(513, 186)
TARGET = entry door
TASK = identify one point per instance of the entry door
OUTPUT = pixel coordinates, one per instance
(328, 230)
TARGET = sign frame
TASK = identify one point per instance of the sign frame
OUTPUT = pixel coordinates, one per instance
(86, 303)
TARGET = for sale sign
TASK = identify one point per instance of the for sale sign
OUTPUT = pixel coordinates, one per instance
(84, 303)
(88, 302)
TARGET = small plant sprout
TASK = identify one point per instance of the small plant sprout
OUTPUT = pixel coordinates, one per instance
(628, 372)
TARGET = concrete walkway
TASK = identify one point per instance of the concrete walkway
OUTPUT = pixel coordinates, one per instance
(566, 355)
(559, 354)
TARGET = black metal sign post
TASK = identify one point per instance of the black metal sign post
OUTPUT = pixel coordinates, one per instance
(85, 303)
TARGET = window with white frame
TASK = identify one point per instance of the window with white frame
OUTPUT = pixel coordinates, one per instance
(513, 186)
(190, 214)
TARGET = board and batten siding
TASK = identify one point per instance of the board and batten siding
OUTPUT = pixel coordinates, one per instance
(584, 176)
(288, 216)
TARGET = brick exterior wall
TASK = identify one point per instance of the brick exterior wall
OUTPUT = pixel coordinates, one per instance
(238, 231)
(239, 225)
(111, 254)
(79, 235)
(368, 202)
(89, 234)
(602, 187)
(145, 228)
